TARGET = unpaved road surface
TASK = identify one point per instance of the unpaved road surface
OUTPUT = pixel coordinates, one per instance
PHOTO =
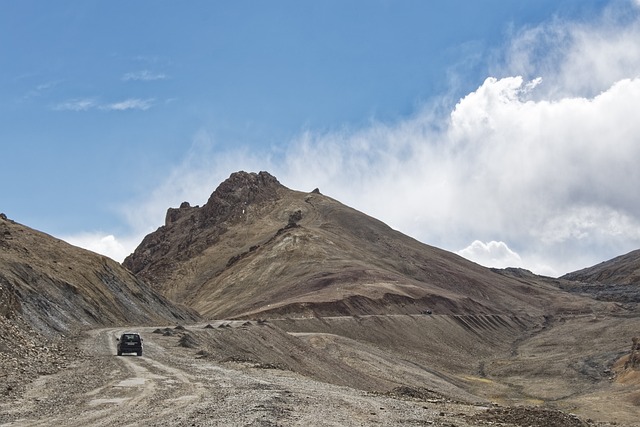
(170, 386)
(210, 375)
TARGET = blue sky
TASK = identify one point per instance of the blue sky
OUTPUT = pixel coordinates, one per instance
(501, 130)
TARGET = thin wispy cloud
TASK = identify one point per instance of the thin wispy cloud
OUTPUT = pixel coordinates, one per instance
(129, 104)
(77, 104)
(86, 104)
(41, 89)
(144, 75)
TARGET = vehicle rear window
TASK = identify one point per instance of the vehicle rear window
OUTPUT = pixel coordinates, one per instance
(130, 337)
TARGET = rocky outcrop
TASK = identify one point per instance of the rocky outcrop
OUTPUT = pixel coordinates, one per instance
(230, 200)
(634, 356)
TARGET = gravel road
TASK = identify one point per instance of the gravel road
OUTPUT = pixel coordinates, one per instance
(171, 386)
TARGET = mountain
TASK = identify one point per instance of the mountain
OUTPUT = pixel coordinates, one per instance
(257, 248)
(615, 280)
(56, 288)
(317, 289)
(623, 270)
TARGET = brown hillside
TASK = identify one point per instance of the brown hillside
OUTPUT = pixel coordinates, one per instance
(615, 280)
(258, 248)
(623, 270)
(55, 287)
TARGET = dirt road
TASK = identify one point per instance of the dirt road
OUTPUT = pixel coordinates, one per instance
(240, 373)
(170, 386)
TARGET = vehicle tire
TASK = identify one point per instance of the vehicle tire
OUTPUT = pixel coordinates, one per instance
(140, 353)
(119, 353)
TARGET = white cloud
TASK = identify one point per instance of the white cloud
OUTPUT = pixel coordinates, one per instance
(41, 89)
(78, 104)
(86, 104)
(105, 244)
(553, 177)
(577, 58)
(541, 163)
(144, 75)
(129, 104)
(491, 254)
(192, 180)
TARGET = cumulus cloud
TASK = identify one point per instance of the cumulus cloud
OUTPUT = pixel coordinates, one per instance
(536, 168)
(103, 243)
(554, 177)
(491, 254)
(576, 58)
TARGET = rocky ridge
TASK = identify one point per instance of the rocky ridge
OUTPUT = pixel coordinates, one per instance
(616, 280)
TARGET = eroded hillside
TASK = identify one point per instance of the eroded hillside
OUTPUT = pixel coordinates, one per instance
(55, 286)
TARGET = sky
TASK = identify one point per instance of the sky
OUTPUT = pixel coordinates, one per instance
(505, 131)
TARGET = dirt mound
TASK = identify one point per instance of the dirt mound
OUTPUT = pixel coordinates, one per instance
(356, 360)
(188, 341)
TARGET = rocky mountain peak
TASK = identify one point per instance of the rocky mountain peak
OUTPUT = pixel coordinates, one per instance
(230, 199)
(240, 190)
(189, 230)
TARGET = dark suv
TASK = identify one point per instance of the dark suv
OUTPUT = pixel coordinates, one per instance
(130, 342)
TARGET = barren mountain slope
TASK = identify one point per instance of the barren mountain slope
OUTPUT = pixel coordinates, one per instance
(56, 287)
(257, 247)
(623, 270)
(615, 280)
